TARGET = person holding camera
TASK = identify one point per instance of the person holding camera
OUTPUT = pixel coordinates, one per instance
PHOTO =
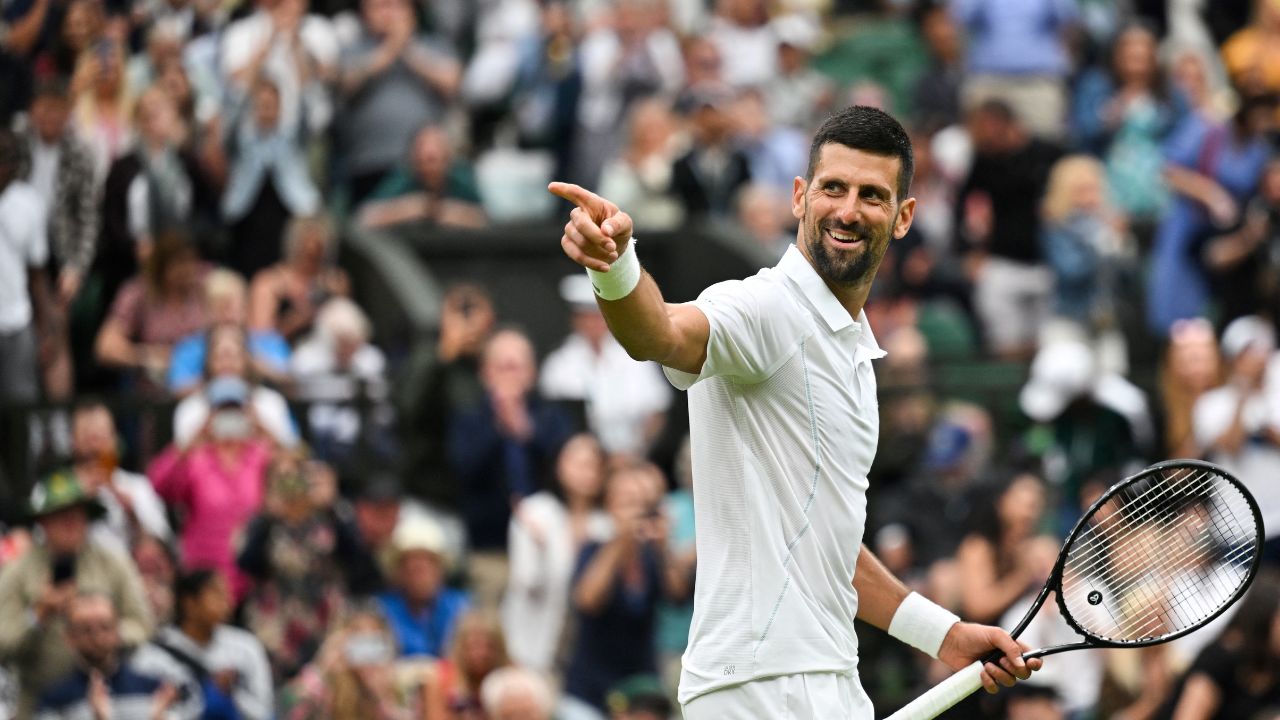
(217, 480)
(356, 676)
(37, 588)
(616, 590)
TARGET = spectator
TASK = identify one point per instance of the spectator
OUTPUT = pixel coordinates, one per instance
(24, 250)
(451, 689)
(394, 80)
(61, 171)
(640, 175)
(1122, 114)
(626, 400)
(268, 179)
(1034, 702)
(1000, 560)
(1212, 169)
(102, 102)
(153, 312)
(1244, 265)
(740, 29)
(421, 611)
(999, 228)
(440, 383)
(1085, 245)
(616, 589)
(1252, 54)
(132, 507)
(225, 299)
(1235, 677)
(1236, 425)
(1018, 54)
(104, 683)
(499, 451)
(286, 296)
(936, 95)
(377, 509)
(336, 368)
(435, 187)
(217, 480)
(228, 363)
(1099, 420)
(548, 530)
(630, 56)
(356, 676)
(297, 551)
(799, 97)
(229, 663)
(158, 566)
(1192, 367)
(515, 693)
(776, 154)
(295, 50)
(764, 214)
(41, 586)
(675, 615)
(706, 179)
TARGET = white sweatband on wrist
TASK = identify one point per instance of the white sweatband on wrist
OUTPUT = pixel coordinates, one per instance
(922, 624)
(622, 278)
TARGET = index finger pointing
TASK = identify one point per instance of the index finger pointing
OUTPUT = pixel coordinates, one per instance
(581, 197)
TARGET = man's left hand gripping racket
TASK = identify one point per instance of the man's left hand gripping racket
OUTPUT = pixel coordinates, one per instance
(1159, 555)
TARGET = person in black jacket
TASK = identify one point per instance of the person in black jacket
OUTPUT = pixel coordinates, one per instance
(707, 179)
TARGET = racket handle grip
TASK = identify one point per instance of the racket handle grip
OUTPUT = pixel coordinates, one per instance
(943, 695)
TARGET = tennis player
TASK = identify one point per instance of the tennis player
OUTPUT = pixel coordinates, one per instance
(782, 405)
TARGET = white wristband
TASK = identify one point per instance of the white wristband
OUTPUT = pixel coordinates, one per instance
(922, 624)
(622, 278)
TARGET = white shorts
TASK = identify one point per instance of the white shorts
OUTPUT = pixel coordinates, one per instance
(806, 696)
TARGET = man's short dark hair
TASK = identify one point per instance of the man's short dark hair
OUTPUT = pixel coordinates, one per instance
(871, 130)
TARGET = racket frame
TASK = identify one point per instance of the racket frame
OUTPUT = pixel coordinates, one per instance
(1054, 583)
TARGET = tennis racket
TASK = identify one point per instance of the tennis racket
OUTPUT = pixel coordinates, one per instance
(1160, 554)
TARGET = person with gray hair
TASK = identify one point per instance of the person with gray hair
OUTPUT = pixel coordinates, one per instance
(514, 693)
(286, 296)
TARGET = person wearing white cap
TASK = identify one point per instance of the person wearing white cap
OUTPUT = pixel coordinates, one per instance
(422, 611)
(626, 399)
(1237, 425)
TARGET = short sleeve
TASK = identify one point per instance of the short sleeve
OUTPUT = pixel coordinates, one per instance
(38, 240)
(754, 328)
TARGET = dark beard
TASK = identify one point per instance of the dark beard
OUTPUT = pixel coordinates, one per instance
(841, 269)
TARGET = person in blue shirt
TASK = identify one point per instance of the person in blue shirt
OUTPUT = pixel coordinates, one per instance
(421, 610)
(225, 297)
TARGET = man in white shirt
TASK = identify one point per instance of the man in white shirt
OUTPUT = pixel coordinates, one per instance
(784, 426)
(24, 250)
(132, 506)
(626, 400)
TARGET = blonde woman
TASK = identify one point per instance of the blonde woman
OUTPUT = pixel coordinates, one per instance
(451, 690)
(356, 676)
(1084, 240)
(102, 115)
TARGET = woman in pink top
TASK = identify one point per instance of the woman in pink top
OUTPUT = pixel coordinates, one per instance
(217, 481)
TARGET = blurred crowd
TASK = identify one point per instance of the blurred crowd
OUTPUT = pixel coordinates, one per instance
(323, 529)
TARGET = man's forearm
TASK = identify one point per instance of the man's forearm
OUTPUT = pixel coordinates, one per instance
(879, 592)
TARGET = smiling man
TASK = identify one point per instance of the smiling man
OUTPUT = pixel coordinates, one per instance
(784, 425)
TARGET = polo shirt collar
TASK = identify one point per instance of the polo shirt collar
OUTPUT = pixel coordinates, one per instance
(795, 266)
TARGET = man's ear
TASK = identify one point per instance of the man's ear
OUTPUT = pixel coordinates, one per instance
(799, 186)
(906, 213)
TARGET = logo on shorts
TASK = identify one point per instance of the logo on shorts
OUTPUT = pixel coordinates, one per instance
(730, 669)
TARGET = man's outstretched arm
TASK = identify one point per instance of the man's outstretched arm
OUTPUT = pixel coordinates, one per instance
(881, 595)
(596, 236)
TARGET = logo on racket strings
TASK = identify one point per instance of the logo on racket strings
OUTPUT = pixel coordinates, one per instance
(1094, 598)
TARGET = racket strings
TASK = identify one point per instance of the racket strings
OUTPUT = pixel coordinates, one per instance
(1136, 587)
(1160, 557)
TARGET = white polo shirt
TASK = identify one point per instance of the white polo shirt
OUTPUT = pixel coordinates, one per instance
(784, 425)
